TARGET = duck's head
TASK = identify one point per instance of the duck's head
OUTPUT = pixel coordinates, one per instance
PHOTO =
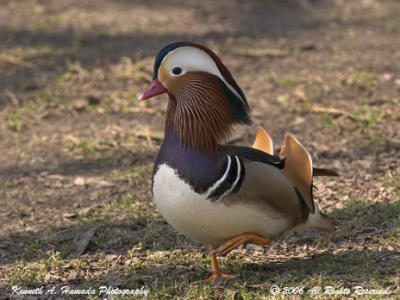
(205, 101)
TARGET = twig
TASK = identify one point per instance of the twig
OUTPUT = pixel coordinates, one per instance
(156, 135)
(12, 97)
(260, 52)
(329, 110)
(148, 137)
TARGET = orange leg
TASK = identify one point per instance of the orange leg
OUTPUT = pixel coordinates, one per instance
(216, 271)
(238, 240)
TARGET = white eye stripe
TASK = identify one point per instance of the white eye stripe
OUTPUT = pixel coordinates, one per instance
(194, 59)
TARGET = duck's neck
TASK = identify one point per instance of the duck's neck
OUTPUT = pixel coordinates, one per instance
(200, 122)
(198, 168)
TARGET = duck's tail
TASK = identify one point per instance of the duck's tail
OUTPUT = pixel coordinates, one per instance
(298, 168)
(320, 221)
(264, 143)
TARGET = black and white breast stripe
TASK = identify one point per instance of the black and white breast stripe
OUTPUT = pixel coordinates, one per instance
(230, 181)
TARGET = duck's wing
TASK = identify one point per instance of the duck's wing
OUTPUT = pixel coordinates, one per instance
(294, 161)
(282, 183)
(264, 183)
(233, 170)
(252, 154)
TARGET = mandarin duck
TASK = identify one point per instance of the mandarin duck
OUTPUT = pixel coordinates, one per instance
(224, 195)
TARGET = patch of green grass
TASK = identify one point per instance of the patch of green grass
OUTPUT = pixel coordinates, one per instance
(30, 274)
(375, 100)
(256, 279)
(126, 202)
(32, 106)
(37, 195)
(327, 122)
(393, 25)
(34, 245)
(351, 33)
(20, 211)
(366, 117)
(21, 274)
(136, 174)
(362, 80)
(377, 140)
(288, 81)
(264, 4)
(51, 22)
(87, 146)
(45, 97)
(122, 174)
(133, 100)
(394, 101)
(138, 210)
(394, 237)
(45, 48)
(137, 266)
(394, 182)
(6, 183)
(8, 33)
(306, 105)
(367, 214)
(14, 122)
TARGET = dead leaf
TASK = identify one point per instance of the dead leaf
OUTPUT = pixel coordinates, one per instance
(84, 211)
(99, 181)
(259, 284)
(69, 215)
(80, 104)
(79, 181)
(300, 94)
(110, 257)
(72, 275)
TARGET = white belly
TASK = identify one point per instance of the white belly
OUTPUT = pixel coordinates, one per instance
(209, 222)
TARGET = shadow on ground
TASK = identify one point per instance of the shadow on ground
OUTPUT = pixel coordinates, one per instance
(112, 237)
(255, 20)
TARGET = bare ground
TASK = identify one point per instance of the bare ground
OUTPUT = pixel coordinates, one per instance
(77, 147)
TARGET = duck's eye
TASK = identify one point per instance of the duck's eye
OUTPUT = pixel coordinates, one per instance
(176, 70)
